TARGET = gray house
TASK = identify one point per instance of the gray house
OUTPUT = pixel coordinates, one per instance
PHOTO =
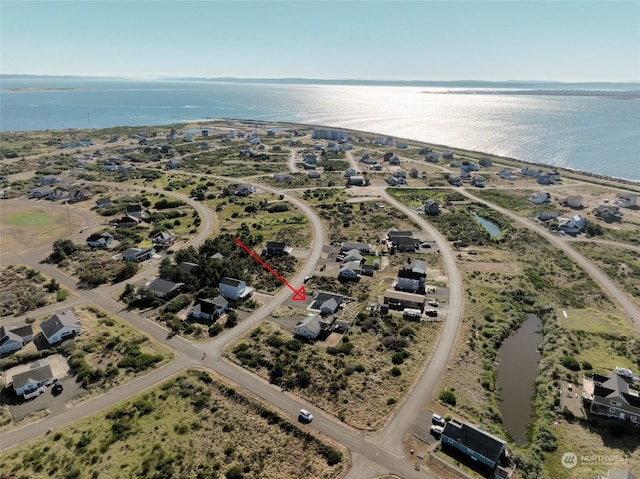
(14, 338)
(61, 326)
(479, 445)
(137, 255)
(163, 288)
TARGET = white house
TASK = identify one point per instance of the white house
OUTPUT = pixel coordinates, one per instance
(61, 326)
(31, 382)
(234, 289)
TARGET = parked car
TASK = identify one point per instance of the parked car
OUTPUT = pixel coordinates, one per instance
(436, 431)
(438, 420)
(305, 416)
(57, 387)
(433, 303)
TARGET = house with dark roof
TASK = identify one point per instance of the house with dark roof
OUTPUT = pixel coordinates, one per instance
(400, 300)
(407, 244)
(234, 289)
(14, 338)
(477, 444)
(608, 213)
(409, 285)
(42, 192)
(188, 267)
(431, 207)
(611, 396)
(104, 203)
(394, 234)
(209, 308)
(364, 248)
(165, 289)
(347, 273)
(137, 255)
(136, 210)
(61, 326)
(326, 303)
(32, 382)
(276, 248)
(127, 221)
(100, 240)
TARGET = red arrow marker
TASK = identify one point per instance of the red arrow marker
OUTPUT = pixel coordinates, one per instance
(298, 294)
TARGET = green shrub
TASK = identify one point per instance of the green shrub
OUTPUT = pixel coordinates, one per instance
(448, 397)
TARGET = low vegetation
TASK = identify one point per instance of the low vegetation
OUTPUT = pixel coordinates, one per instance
(167, 432)
(23, 289)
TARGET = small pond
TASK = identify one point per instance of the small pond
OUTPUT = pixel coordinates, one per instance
(516, 373)
(492, 228)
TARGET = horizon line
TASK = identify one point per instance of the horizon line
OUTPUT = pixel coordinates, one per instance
(309, 79)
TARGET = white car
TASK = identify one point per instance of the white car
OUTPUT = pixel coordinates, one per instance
(305, 416)
(436, 431)
(433, 303)
(437, 420)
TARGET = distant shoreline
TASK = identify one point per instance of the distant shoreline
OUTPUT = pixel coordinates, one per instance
(621, 95)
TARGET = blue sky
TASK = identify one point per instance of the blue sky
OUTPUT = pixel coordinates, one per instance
(390, 40)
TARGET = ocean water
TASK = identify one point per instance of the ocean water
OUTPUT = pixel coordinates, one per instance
(593, 133)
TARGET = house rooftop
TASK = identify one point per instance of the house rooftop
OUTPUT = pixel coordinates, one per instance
(163, 286)
(474, 438)
(64, 319)
(38, 373)
(231, 281)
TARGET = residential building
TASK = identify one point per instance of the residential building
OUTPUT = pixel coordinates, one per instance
(163, 238)
(42, 192)
(455, 180)
(33, 381)
(431, 207)
(209, 309)
(401, 300)
(165, 289)
(608, 212)
(126, 221)
(61, 326)
(14, 338)
(104, 203)
(136, 210)
(100, 240)
(191, 268)
(486, 162)
(447, 154)
(353, 256)
(573, 226)
(349, 172)
(313, 326)
(611, 396)
(486, 449)
(347, 273)
(245, 190)
(48, 180)
(540, 198)
(277, 248)
(173, 164)
(626, 200)
(314, 175)
(409, 285)
(234, 289)
(407, 244)
(574, 201)
(326, 303)
(357, 180)
(283, 177)
(364, 248)
(138, 255)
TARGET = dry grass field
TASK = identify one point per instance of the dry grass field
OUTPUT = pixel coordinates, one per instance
(23, 289)
(26, 225)
(193, 425)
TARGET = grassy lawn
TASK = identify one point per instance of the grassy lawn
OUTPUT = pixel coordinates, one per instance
(193, 425)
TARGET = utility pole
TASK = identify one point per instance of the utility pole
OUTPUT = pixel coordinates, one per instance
(68, 213)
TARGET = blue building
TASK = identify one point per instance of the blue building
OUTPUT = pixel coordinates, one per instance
(478, 445)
